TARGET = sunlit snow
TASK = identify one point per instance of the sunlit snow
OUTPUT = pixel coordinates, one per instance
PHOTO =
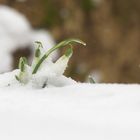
(76, 112)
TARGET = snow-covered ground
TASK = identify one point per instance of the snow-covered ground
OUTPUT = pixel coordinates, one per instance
(74, 112)
(64, 109)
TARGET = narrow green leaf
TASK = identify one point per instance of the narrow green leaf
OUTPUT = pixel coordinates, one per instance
(69, 52)
(60, 45)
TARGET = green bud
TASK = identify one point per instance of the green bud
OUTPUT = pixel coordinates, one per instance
(91, 80)
(37, 52)
(39, 44)
(22, 63)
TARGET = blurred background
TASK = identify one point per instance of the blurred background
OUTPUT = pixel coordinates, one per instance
(111, 29)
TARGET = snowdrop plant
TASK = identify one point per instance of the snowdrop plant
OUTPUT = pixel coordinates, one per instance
(91, 80)
(42, 70)
(24, 74)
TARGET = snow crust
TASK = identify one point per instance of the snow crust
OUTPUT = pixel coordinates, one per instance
(76, 112)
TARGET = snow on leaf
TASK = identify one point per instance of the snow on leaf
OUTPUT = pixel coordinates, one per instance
(61, 64)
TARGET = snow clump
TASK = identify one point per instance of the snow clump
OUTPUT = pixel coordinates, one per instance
(16, 32)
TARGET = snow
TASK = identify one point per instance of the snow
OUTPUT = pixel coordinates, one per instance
(74, 112)
(50, 75)
(64, 109)
(16, 32)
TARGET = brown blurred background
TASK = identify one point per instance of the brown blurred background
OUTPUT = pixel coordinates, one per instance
(111, 29)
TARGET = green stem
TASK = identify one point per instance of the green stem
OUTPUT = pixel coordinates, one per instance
(60, 45)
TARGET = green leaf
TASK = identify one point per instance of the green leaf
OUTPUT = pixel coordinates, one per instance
(69, 52)
(60, 45)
